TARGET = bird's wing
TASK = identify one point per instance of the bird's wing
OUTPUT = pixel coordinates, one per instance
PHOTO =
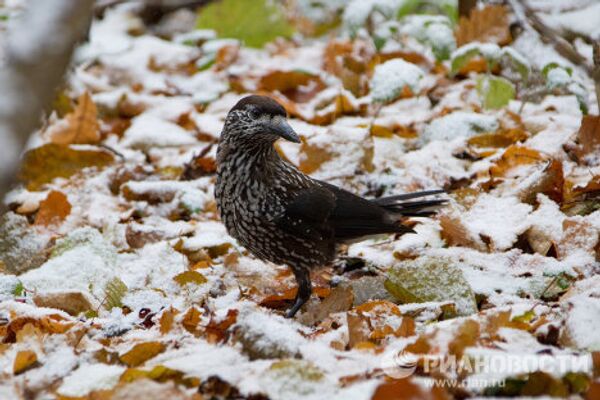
(355, 217)
(325, 211)
(307, 215)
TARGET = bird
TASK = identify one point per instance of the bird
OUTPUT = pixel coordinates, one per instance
(284, 216)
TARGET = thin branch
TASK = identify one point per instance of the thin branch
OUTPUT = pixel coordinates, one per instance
(526, 15)
(596, 72)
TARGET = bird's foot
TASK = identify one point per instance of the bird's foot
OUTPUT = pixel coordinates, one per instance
(304, 291)
(295, 308)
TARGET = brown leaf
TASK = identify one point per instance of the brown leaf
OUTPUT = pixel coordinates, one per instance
(191, 319)
(578, 234)
(551, 183)
(503, 138)
(53, 210)
(216, 331)
(297, 86)
(466, 335)
(80, 126)
(340, 299)
(405, 389)
(226, 55)
(24, 360)
(313, 156)
(514, 156)
(141, 352)
(70, 302)
(588, 138)
(454, 232)
(42, 164)
(489, 24)
(350, 62)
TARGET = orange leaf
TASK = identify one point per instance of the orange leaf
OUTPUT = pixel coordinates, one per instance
(191, 319)
(24, 360)
(53, 210)
(502, 138)
(588, 139)
(141, 352)
(297, 86)
(226, 56)
(487, 24)
(80, 126)
(405, 389)
(514, 156)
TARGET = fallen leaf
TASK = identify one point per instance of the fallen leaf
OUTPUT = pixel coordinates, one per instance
(70, 302)
(42, 164)
(340, 299)
(189, 277)
(114, 291)
(53, 210)
(141, 352)
(488, 24)
(24, 360)
(502, 138)
(514, 156)
(298, 86)
(431, 279)
(405, 389)
(79, 126)
(588, 138)
(191, 319)
(166, 320)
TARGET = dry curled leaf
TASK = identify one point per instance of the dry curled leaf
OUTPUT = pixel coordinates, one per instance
(488, 24)
(53, 210)
(79, 126)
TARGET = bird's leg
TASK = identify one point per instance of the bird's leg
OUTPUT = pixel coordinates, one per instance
(304, 290)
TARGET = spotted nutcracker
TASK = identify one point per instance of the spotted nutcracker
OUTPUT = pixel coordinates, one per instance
(284, 216)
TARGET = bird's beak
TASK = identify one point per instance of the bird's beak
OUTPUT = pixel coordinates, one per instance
(280, 127)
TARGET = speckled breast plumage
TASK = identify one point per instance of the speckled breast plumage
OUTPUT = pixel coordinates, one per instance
(252, 194)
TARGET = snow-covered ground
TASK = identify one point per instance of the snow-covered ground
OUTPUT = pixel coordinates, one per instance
(118, 278)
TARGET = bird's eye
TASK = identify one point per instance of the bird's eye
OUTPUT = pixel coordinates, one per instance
(254, 114)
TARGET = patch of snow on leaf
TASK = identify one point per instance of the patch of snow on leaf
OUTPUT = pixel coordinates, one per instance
(391, 77)
(501, 219)
(459, 124)
(90, 377)
(148, 131)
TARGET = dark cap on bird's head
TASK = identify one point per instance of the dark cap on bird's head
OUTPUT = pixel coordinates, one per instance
(262, 117)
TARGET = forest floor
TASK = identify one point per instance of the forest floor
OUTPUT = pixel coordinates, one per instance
(119, 280)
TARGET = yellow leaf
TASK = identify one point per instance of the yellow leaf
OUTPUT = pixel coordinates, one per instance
(54, 209)
(42, 164)
(142, 352)
(166, 320)
(80, 126)
(189, 277)
(24, 360)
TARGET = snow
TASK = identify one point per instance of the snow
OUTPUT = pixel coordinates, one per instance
(90, 377)
(391, 77)
(148, 131)
(151, 226)
(500, 219)
(459, 124)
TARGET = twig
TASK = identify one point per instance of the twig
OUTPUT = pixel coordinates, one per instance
(526, 15)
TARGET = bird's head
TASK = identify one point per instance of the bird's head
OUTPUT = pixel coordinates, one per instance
(258, 119)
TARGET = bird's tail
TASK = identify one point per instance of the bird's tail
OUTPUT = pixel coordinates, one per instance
(398, 204)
